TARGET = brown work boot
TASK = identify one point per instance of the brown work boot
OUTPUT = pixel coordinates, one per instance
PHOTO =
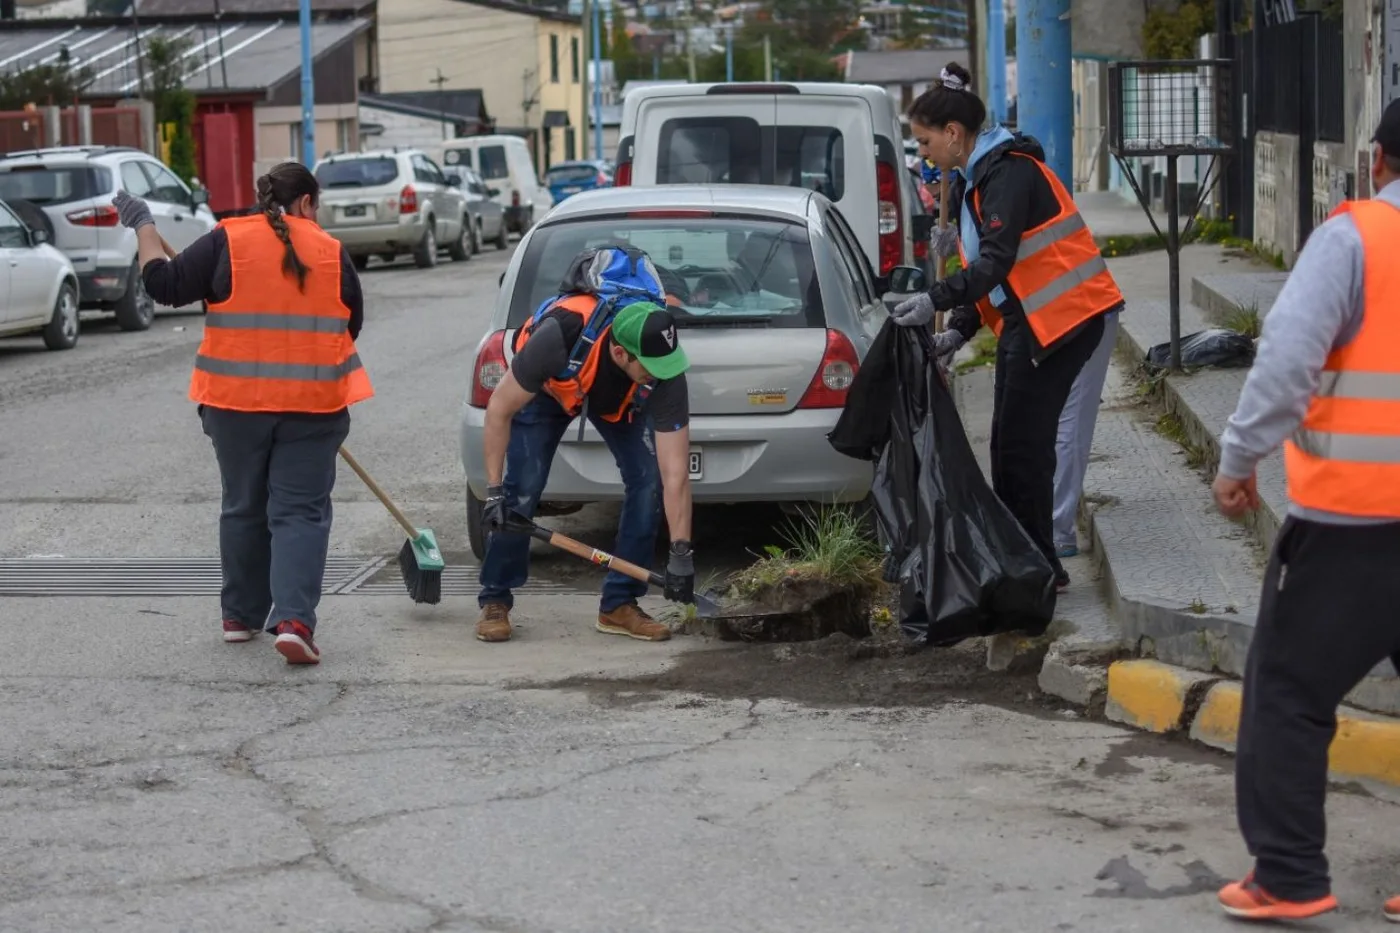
(494, 623)
(629, 619)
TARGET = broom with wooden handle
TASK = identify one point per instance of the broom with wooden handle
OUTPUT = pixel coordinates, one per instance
(420, 559)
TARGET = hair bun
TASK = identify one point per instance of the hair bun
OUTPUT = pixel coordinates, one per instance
(955, 77)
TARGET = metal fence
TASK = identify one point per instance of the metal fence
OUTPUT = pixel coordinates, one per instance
(52, 126)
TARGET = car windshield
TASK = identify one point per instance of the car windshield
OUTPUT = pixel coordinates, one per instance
(357, 173)
(725, 268)
(562, 174)
(44, 184)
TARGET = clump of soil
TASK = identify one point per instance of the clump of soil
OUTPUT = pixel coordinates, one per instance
(796, 607)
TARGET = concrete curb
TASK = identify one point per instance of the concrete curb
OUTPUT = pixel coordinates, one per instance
(1160, 698)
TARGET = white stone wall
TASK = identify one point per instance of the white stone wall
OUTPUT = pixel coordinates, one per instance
(402, 130)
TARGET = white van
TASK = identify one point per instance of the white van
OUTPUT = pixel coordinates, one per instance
(843, 140)
(505, 164)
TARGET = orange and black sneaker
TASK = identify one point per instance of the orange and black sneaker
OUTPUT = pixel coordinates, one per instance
(1392, 909)
(1245, 900)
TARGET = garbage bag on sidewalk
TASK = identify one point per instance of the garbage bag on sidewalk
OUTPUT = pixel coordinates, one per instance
(1218, 346)
(966, 566)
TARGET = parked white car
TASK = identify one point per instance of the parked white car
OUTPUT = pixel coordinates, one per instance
(73, 188)
(38, 287)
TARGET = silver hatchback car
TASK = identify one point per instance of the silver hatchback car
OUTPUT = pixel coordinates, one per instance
(778, 307)
(389, 202)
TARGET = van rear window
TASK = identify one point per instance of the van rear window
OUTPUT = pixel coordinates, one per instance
(493, 162)
(457, 157)
(735, 150)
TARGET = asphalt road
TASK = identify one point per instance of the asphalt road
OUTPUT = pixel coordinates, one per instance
(154, 779)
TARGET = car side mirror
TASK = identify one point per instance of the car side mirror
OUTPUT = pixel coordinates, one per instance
(493, 191)
(454, 179)
(199, 196)
(904, 280)
(923, 226)
(38, 236)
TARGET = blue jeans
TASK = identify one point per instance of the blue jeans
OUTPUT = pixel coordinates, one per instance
(535, 433)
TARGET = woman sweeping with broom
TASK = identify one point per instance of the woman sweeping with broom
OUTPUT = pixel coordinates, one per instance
(275, 376)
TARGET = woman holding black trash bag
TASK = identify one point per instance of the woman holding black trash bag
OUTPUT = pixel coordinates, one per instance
(1031, 272)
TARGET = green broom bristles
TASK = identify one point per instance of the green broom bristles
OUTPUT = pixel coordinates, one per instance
(421, 564)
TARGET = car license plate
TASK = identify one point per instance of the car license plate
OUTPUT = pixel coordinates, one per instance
(355, 210)
(697, 464)
(574, 189)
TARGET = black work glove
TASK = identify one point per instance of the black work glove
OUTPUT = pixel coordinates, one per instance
(493, 515)
(680, 573)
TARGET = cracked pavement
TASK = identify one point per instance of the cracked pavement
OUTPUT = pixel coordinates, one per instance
(155, 780)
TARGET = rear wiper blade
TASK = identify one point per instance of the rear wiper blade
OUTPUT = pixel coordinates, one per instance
(722, 320)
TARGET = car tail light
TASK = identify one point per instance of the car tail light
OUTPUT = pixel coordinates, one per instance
(408, 200)
(104, 216)
(623, 176)
(891, 241)
(514, 198)
(489, 370)
(834, 376)
(921, 249)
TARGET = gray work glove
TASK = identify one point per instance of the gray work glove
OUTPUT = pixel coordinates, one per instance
(944, 242)
(947, 342)
(680, 573)
(132, 211)
(493, 514)
(915, 312)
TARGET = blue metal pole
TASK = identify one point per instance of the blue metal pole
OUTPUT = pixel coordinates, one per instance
(597, 81)
(729, 54)
(1044, 89)
(308, 90)
(996, 60)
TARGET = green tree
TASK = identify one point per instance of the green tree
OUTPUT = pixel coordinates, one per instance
(57, 83)
(1172, 36)
(173, 102)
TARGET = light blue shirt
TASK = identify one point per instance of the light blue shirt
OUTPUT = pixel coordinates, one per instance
(967, 228)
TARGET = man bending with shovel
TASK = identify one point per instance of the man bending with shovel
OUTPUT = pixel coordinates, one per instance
(608, 349)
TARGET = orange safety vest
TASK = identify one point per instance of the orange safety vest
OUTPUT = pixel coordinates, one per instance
(270, 346)
(571, 393)
(1060, 276)
(1345, 456)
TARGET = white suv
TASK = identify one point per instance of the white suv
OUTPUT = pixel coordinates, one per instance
(73, 187)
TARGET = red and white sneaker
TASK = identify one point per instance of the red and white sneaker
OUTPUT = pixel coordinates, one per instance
(295, 644)
(237, 631)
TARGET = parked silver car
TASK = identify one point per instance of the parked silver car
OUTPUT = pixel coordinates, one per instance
(72, 188)
(778, 307)
(38, 285)
(487, 214)
(390, 202)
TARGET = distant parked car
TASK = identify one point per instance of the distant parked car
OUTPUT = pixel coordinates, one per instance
(72, 188)
(488, 217)
(389, 202)
(504, 162)
(566, 178)
(38, 287)
(777, 305)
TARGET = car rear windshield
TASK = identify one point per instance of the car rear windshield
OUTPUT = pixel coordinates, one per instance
(718, 150)
(45, 184)
(493, 162)
(562, 174)
(358, 173)
(731, 268)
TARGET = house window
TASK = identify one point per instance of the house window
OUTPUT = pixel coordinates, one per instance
(573, 57)
(553, 59)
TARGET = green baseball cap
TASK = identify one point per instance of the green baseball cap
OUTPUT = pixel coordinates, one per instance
(648, 332)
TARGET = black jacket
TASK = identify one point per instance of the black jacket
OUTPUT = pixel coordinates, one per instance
(1013, 197)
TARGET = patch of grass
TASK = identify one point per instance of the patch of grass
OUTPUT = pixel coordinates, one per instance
(1245, 320)
(1198, 607)
(984, 343)
(1170, 426)
(830, 544)
(1204, 230)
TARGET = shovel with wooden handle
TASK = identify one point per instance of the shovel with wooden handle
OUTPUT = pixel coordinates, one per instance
(939, 262)
(515, 522)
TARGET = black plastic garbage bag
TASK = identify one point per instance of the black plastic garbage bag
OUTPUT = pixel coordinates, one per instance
(1227, 349)
(966, 566)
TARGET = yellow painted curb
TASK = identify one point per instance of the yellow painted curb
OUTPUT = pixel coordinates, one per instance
(1149, 694)
(1218, 720)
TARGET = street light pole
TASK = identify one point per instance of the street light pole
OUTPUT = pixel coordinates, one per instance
(597, 83)
(308, 90)
(729, 53)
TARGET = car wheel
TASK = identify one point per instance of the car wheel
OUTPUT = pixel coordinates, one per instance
(425, 255)
(501, 242)
(61, 333)
(476, 525)
(476, 237)
(461, 248)
(135, 310)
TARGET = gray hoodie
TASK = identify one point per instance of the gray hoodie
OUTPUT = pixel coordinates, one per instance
(1318, 311)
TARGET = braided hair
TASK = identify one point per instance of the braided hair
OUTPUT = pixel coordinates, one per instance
(278, 190)
(950, 100)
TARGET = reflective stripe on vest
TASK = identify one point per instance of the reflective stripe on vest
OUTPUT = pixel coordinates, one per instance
(572, 393)
(271, 346)
(1345, 456)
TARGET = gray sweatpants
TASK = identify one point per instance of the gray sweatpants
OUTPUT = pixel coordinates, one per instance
(1075, 440)
(277, 473)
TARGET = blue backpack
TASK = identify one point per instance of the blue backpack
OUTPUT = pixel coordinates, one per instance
(617, 276)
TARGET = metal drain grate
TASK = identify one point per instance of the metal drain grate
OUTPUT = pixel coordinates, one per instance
(202, 576)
